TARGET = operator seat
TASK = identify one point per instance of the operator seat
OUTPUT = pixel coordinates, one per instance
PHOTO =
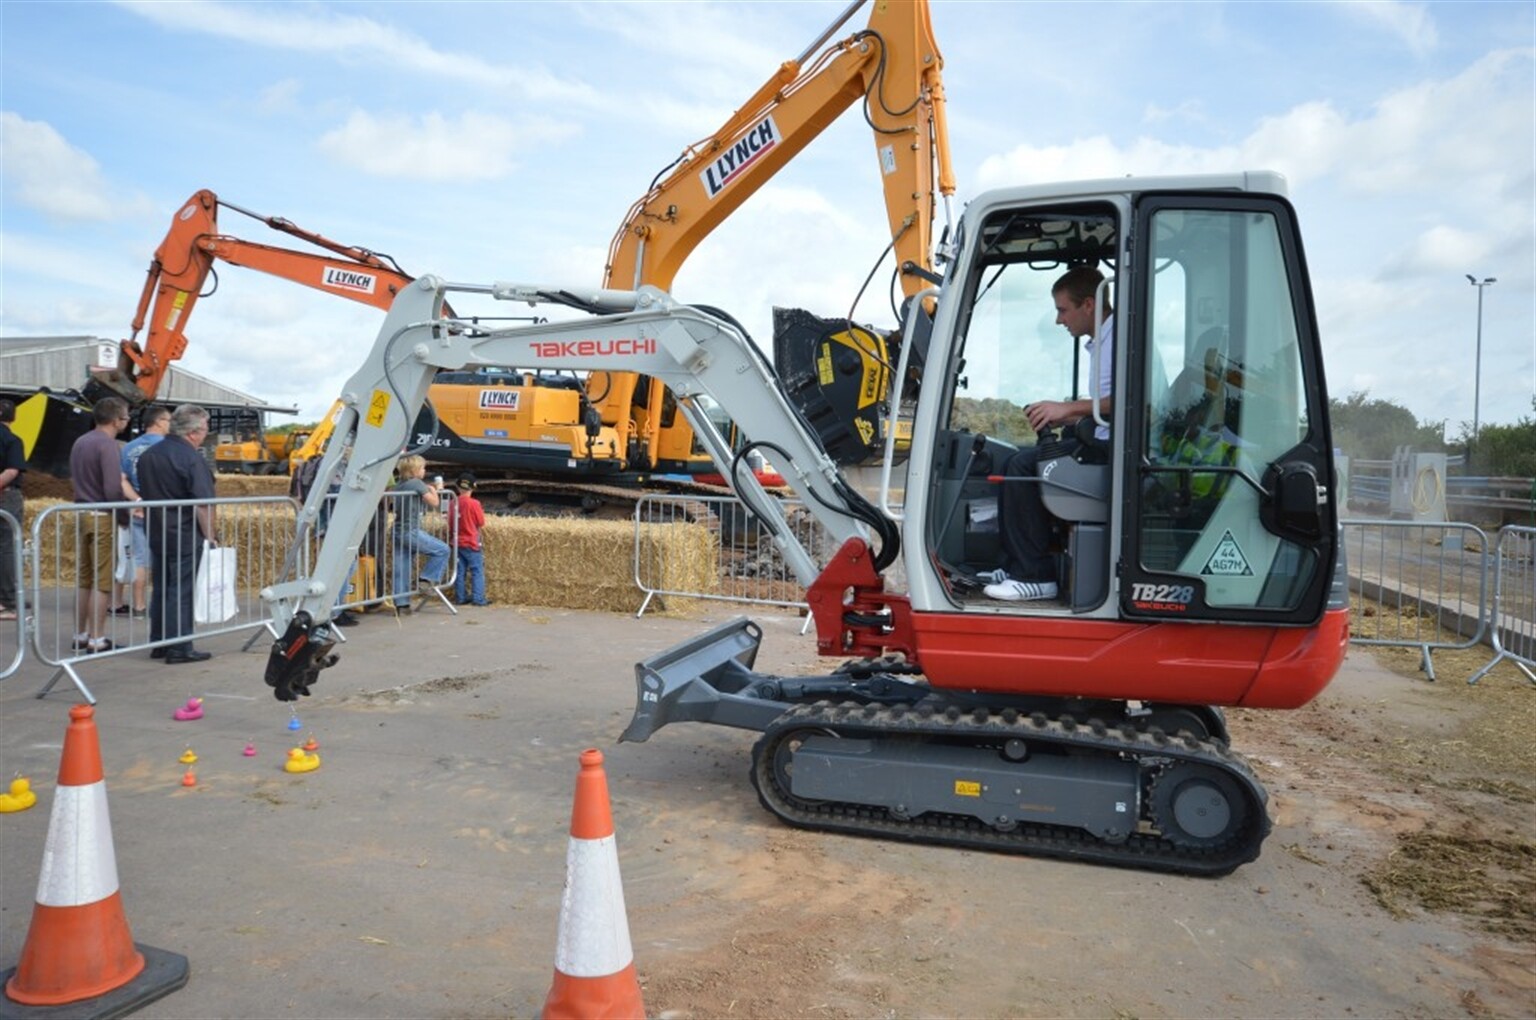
(1074, 486)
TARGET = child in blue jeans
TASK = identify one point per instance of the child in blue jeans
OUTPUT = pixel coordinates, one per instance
(467, 516)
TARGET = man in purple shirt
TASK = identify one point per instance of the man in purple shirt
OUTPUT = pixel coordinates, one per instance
(95, 471)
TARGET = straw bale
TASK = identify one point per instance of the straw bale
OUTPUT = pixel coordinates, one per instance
(571, 563)
(257, 532)
(230, 486)
(589, 564)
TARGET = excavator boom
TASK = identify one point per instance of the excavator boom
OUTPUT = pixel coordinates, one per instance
(180, 269)
(893, 67)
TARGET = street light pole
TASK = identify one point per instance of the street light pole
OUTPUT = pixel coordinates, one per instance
(1477, 379)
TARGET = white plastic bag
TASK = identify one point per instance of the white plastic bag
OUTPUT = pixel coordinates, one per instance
(122, 571)
(213, 594)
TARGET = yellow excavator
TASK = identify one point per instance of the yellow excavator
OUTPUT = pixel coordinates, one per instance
(836, 371)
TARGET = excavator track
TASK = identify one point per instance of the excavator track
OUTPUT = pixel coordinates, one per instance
(1202, 809)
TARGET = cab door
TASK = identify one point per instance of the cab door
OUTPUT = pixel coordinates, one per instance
(1232, 511)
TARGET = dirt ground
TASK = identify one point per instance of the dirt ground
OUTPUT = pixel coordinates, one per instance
(1397, 803)
(418, 873)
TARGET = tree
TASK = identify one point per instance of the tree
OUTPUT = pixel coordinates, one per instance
(1369, 429)
(1505, 451)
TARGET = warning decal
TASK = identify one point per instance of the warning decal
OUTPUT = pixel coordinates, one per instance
(378, 408)
(1227, 560)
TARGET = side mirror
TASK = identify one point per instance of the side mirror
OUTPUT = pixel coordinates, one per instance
(1293, 507)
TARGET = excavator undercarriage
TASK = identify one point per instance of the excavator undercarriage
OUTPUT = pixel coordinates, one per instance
(872, 752)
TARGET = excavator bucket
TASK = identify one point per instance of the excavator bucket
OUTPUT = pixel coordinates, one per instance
(48, 424)
(705, 679)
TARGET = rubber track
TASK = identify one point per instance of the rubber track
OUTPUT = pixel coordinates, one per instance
(1141, 850)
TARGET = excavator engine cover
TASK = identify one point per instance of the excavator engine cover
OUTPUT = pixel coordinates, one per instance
(837, 374)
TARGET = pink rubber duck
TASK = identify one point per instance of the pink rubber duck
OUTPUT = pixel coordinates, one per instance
(193, 709)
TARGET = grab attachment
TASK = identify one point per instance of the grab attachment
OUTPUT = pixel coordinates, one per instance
(298, 657)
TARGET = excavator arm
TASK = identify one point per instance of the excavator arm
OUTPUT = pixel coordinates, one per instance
(689, 350)
(894, 67)
(180, 270)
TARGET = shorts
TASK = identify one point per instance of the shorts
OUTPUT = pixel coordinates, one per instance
(140, 534)
(95, 536)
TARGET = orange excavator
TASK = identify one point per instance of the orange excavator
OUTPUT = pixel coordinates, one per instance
(177, 277)
(185, 260)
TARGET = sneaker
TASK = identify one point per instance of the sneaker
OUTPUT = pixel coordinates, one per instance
(1021, 591)
(997, 576)
(487, 602)
(123, 610)
(426, 582)
(94, 647)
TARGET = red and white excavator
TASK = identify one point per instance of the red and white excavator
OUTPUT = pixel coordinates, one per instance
(1089, 726)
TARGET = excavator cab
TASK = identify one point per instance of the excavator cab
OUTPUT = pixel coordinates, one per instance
(1211, 498)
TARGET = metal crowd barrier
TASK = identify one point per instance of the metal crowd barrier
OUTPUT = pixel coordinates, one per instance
(1424, 577)
(13, 633)
(83, 567)
(742, 563)
(1513, 631)
(393, 582)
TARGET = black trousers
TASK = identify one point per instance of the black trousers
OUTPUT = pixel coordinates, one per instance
(1027, 526)
(174, 556)
(10, 502)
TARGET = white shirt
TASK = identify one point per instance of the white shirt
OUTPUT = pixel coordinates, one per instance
(1105, 344)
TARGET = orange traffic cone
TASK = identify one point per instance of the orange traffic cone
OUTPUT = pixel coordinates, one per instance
(594, 963)
(78, 947)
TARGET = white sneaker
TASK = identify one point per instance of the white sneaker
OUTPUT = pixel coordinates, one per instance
(993, 576)
(1021, 591)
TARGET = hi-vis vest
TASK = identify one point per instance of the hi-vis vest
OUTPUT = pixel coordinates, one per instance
(1200, 446)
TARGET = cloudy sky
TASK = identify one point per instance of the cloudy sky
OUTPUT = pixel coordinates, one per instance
(506, 141)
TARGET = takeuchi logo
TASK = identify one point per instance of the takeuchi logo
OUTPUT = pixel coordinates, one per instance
(592, 348)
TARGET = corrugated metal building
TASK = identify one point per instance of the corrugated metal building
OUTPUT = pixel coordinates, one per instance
(60, 363)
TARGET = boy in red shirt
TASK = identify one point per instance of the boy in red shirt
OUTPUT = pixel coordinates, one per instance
(468, 517)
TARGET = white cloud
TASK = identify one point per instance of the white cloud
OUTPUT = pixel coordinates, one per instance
(1411, 23)
(43, 171)
(280, 97)
(308, 30)
(469, 147)
(1457, 133)
(1442, 249)
(1098, 157)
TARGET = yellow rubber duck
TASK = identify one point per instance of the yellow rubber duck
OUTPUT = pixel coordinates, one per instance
(188, 757)
(20, 798)
(301, 761)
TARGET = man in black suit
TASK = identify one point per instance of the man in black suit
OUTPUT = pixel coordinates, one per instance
(177, 469)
